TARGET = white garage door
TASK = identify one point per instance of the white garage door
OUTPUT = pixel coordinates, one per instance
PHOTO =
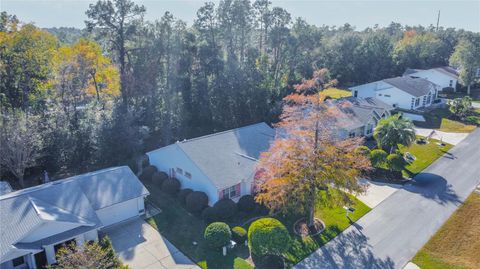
(119, 212)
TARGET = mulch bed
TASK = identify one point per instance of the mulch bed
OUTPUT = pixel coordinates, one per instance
(302, 229)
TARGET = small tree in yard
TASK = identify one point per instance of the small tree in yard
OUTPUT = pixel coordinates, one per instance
(308, 155)
(461, 107)
(378, 158)
(268, 236)
(394, 130)
(20, 143)
(217, 234)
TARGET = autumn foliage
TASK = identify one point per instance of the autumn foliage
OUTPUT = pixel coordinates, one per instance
(309, 153)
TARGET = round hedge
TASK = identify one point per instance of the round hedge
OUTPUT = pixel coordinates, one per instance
(378, 157)
(171, 186)
(182, 195)
(246, 203)
(225, 209)
(196, 201)
(364, 150)
(209, 214)
(239, 234)
(217, 234)
(268, 236)
(396, 162)
(159, 177)
(148, 172)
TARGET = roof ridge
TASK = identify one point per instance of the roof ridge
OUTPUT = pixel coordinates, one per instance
(219, 133)
(37, 210)
(56, 182)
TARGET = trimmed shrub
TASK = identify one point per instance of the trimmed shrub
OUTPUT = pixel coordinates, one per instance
(472, 120)
(225, 209)
(182, 195)
(239, 234)
(196, 201)
(209, 214)
(217, 234)
(268, 236)
(364, 150)
(159, 177)
(246, 203)
(378, 157)
(396, 162)
(148, 172)
(171, 186)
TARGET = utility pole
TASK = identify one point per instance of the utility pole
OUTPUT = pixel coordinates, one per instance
(438, 19)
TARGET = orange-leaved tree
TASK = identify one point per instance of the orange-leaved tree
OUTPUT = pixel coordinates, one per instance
(309, 154)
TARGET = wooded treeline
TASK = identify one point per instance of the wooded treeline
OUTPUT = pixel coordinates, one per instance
(123, 85)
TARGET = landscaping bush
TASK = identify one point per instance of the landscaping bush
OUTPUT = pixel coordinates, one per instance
(196, 201)
(270, 262)
(396, 162)
(364, 150)
(268, 236)
(475, 120)
(158, 178)
(217, 234)
(171, 186)
(148, 172)
(209, 214)
(239, 234)
(182, 195)
(246, 203)
(225, 209)
(378, 157)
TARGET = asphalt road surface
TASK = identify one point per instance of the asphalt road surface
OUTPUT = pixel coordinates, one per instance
(392, 233)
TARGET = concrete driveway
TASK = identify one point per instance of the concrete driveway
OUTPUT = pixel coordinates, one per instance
(376, 192)
(451, 138)
(141, 246)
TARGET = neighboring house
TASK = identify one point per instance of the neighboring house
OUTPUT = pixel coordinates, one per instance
(222, 164)
(363, 115)
(445, 77)
(400, 92)
(5, 187)
(37, 221)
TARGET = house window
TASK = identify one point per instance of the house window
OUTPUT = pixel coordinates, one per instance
(424, 100)
(355, 93)
(417, 102)
(387, 95)
(188, 175)
(230, 192)
(451, 83)
(351, 134)
(179, 171)
(369, 129)
(18, 261)
(429, 98)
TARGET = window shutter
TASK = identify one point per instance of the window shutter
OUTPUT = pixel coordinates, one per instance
(238, 189)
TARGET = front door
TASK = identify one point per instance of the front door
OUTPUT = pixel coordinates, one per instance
(41, 260)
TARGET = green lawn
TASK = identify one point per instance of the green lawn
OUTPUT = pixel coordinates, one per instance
(426, 154)
(457, 244)
(182, 229)
(441, 119)
(337, 93)
(335, 221)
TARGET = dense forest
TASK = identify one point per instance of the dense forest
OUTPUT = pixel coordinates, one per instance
(77, 100)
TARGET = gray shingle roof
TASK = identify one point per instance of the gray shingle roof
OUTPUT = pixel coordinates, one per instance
(362, 110)
(413, 86)
(446, 70)
(230, 156)
(72, 199)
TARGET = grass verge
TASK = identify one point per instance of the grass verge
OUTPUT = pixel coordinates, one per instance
(440, 119)
(457, 243)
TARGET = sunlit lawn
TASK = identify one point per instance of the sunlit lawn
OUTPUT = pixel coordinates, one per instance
(425, 155)
(335, 93)
(457, 243)
(440, 119)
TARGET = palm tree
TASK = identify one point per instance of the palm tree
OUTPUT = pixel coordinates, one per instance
(394, 130)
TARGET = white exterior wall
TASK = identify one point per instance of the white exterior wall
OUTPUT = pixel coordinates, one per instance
(395, 97)
(436, 77)
(172, 156)
(368, 90)
(121, 211)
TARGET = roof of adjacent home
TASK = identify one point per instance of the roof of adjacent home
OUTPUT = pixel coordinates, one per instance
(228, 157)
(362, 110)
(446, 70)
(71, 200)
(413, 86)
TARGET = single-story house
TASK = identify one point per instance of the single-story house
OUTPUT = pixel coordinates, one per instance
(221, 164)
(363, 115)
(35, 222)
(400, 92)
(445, 76)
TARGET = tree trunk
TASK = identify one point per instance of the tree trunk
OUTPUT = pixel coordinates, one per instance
(21, 180)
(468, 89)
(311, 213)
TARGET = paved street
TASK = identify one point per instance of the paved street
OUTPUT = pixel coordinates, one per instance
(391, 234)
